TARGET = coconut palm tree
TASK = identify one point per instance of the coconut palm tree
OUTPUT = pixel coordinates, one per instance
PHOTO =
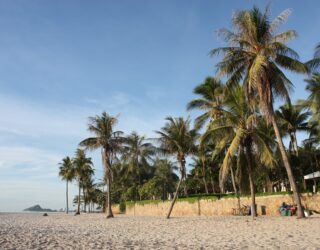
(292, 118)
(83, 171)
(236, 133)
(255, 54)
(164, 172)
(137, 152)
(313, 100)
(210, 101)
(200, 167)
(314, 63)
(87, 189)
(67, 173)
(109, 141)
(177, 138)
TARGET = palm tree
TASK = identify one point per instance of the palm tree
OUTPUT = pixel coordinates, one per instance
(177, 138)
(210, 101)
(292, 119)
(236, 133)
(314, 63)
(199, 167)
(137, 152)
(256, 54)
(109, 141)
(87, 189)
(313, 100)
(83, 170)
(67, 174)
(164, 171)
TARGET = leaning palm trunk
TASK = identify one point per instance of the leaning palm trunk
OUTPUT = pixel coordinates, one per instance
(182, 172)
(287, 166)
(235, 187)
(174, 198)
(67, 207)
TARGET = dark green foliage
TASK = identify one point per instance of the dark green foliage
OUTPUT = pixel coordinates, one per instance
(122, 207)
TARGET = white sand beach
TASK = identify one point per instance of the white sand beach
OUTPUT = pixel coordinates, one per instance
(93, 231)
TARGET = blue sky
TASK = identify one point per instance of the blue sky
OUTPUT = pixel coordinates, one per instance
(62, 61)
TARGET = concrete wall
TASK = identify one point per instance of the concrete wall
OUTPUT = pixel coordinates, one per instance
(220, 207)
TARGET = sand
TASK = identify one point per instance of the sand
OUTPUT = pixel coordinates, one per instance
(93, 231)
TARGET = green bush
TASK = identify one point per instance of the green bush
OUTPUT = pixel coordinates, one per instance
(122, 207)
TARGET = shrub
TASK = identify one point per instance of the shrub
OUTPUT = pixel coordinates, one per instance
(122, 207)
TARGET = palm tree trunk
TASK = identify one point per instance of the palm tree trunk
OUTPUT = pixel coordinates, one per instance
(185, 188)
(182, 173)
(269, 183)
(84, 201)
(109, 210)
(316, 160)
(287, 165)
(204, 177)
(78, 210)
(212, 184)
(295, 146)
(252, 189)
(174, 198)
(67, 199)
(235, 187)
(211, 180)
(205, 184)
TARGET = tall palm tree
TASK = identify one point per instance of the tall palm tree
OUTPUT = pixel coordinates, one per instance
(236, 133)
(177, 138)
(67, 174)
(210, 101)
(292, 118)
(109, 141)
(83, 170)
(256, 54)
(137, 152)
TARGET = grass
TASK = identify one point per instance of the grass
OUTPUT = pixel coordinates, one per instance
(195, 197)
(192, 198)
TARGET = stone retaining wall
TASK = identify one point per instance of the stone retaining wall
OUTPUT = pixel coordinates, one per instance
(223, 206)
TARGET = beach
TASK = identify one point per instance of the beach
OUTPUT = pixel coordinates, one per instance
(93, 231)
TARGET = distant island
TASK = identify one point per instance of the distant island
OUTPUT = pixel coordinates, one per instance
(38, 208)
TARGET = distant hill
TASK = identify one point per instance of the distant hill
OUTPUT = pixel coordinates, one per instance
(37, 208)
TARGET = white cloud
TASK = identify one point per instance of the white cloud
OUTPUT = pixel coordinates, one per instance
(22, 117)
(28, 160)
(35, 137)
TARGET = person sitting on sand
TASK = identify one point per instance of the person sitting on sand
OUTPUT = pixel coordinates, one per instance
(283, 207)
